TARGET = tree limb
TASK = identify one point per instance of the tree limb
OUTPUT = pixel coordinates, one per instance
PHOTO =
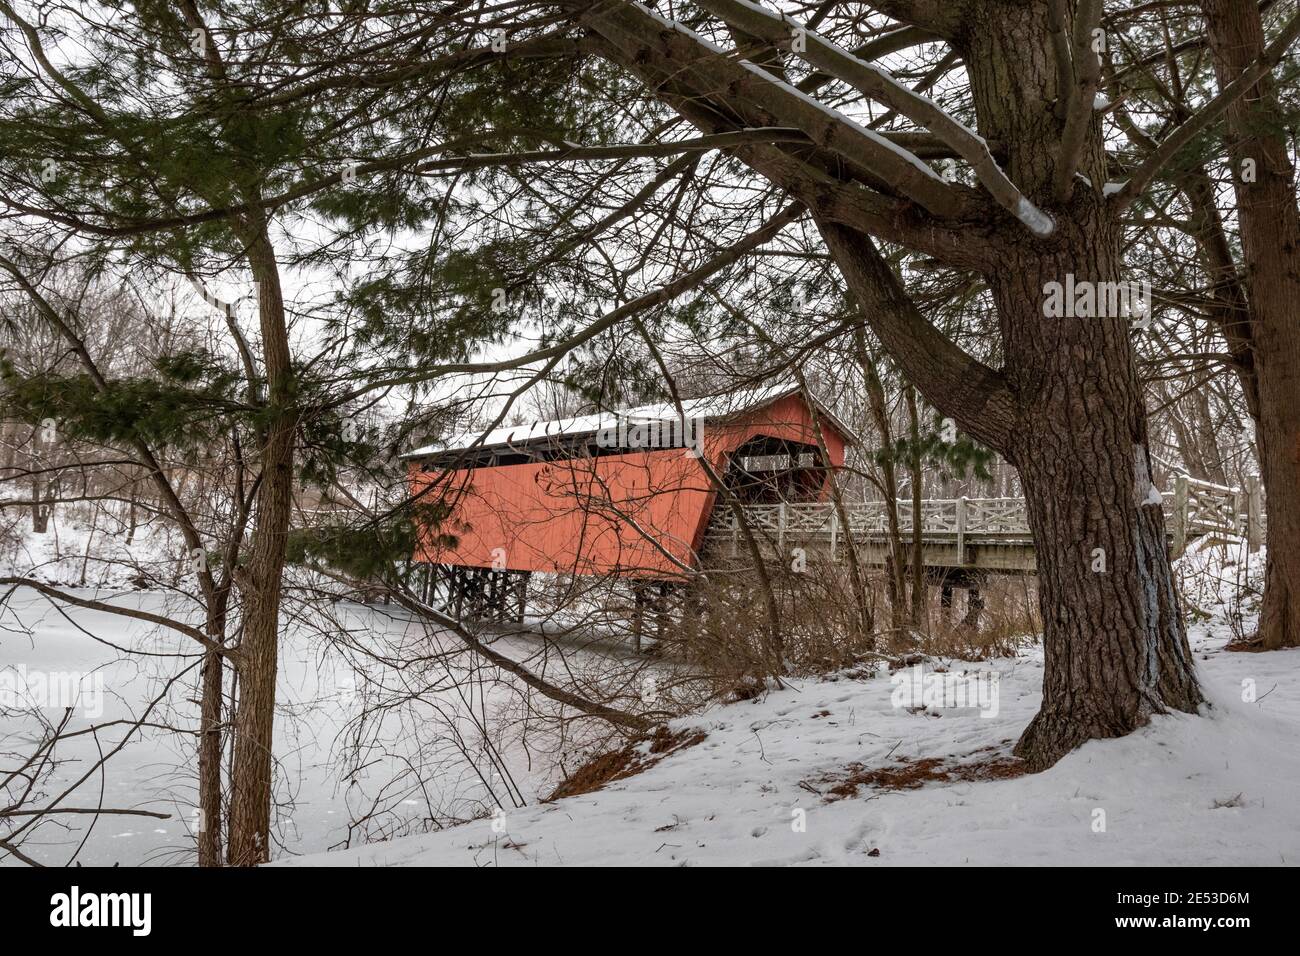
(55, 594)
(1079, 98)
(646, 38)
(966, 390)
(878, 85)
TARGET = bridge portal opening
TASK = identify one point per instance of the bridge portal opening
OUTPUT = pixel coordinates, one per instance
(769, 470)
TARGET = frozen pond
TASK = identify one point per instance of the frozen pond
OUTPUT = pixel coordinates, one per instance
(422, 757)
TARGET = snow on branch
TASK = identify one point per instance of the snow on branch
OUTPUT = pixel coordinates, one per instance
(879, 85)
(826, 127)
(225, 308)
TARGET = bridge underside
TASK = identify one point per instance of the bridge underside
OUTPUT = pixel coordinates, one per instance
(963, 543)
(989, 555)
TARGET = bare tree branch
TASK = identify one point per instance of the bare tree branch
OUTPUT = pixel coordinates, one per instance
(1208, 114)
(1079, 98)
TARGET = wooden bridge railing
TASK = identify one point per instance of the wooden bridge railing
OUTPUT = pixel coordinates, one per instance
(1193, 509)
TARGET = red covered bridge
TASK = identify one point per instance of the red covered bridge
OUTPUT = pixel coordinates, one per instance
(623, 493)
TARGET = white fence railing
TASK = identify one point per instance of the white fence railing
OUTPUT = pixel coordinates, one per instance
(1192, 508)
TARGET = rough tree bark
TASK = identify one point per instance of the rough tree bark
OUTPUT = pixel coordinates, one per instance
(1067, 410)
(249, 825)
(1116, 651)
(1115, 643)
(1264, 183)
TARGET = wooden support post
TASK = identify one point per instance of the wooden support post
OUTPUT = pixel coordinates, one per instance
(476, 594)
(1180, 515)
(1254, 513)
(780, 530)
(692, 610)
(521, 593)
(835, 529)
(974, 604)
(961, 530)
(638, 613)
(661, 612)
(735, 534)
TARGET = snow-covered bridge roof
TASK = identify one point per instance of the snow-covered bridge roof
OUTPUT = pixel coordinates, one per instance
(708, 408)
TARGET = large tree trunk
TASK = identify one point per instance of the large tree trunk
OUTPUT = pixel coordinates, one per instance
(1114, 642)
(259, 579)
(1115, 647)
(1068, 408)
(1263, 178)
(1116, 650)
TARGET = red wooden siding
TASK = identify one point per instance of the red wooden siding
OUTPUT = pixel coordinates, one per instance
(639, 514)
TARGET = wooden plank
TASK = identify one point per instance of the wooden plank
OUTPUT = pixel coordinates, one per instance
(961, 530)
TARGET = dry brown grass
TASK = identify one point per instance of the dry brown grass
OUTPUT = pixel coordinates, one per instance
(627, 761)
(990, 763)
(722, 626)
(1010, 619)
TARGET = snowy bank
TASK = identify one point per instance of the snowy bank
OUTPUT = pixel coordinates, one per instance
(1219, 788)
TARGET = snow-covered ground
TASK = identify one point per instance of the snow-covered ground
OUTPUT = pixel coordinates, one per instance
(1219, 788)
(767, 784)
(75, 552)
